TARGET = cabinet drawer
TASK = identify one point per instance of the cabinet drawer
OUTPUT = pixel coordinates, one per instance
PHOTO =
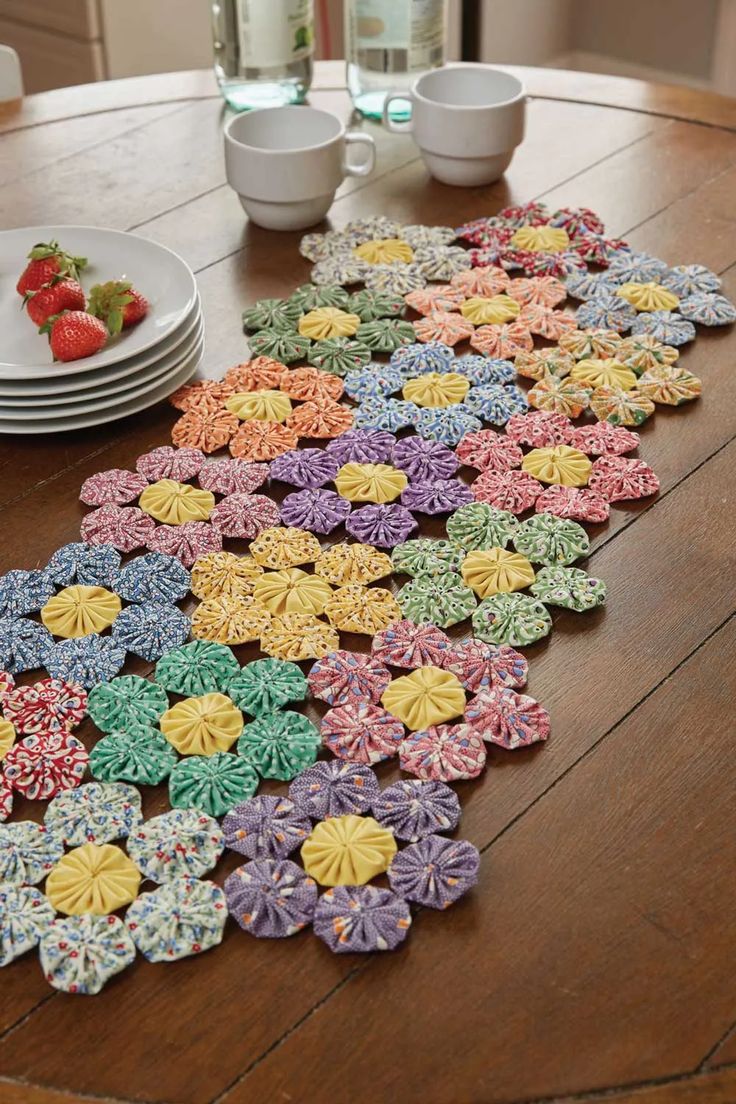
(52, 61)
(79, 18)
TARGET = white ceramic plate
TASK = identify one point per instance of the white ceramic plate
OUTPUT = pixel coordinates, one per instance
(123, 410)
(164, 278)
(80, 401)
(62, 385)
(91, 405)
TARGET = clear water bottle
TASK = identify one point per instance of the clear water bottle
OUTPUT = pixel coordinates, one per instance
(388, 43)
(263, 51)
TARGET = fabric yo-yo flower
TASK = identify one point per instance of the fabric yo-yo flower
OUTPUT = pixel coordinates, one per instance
(40, 765)
(90, 565)
(320, 510)
(342, 677)
(362, 446)
(24, 916)
(560, 396)
(569, 587)
(370, 482)
(425, 697)
(347, 850)
(352, 563)
(218, 574)
(229, 619)
(153, 577)
(266, 685)
(260, 406)
(539, 429)
(359, 609)
(361, 732)
(305, 467)
(334, 788)
(280, 547)
(435, 872)
(139, 754)
(176, 843)
(183, 917)
(292, 590)
(203, 725)
(488, 449)
(166, 462)
(27, 852)
(514, 619)
(443, 753)
(414, 808)
(80, 610)
(559, 464)
(620, 407)
(551, 540)
(271, 898)
(96, 812)
(296, 636)
(279, 745)
(79, 954)
(576, 503)
(479, 665)
(244, 515)
(512, 491)
(265, 827)
(426, 557)
(424, 460)
(407, 645)
(187, 542)
(125, 701)
(259, 440)
(619, 479)
(212, 784)
(355, 919)
(151, 629)
(442, 601)
(93, 878)
(501, 716)
(385, 525)
(197, 668)
(479, 526)
(495, 571)
(175, 503)
(117, 486)
(51, 705)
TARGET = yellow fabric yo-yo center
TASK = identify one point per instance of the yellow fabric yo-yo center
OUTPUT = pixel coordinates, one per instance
(260, 406)
(7, 737)
(497, 309)
(292, 591)
(325, 322)
(79, 610)
(603, 373)
(176, 503)
(438, 389)
(496, 571)
(561, 464)
(425, 697)
(385, 251)
(203, 725)
(370, 482)
(649, 297)
(540, 239)
(347, 850)
(93, 878)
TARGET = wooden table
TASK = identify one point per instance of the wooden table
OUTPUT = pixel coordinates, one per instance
(597, 952)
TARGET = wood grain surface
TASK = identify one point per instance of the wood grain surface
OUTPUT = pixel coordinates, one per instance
(594, 961)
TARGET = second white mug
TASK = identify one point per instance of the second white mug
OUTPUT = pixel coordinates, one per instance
(467, 121)
(286, 163)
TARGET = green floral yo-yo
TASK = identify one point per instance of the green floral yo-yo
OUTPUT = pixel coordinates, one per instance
(441, 600)
(569, 587)
(514, 619)
(272, 314)
(286, 347)
(308, 297)
(339, 355)
(266, 685)
(551, 540)
(215, 784)
(370, 305)
(386, 335)
(280, 745)
(478, 526)
(126, 701)
(201, 667)
(140, 754)
(427, 557)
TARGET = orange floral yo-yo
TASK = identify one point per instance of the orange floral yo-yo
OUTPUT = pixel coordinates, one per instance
(443, 326)
(321, 419)
(261, 373)
(262, 440)
(207, 430)
(306, 384)
(202, 394)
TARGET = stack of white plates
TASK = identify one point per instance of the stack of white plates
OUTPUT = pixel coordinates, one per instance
(134, 371)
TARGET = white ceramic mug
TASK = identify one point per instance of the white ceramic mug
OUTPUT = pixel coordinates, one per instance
(467, 121)
(286, 163)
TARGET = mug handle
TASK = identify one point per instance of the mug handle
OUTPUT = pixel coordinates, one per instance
(391, 124)
(352, 138)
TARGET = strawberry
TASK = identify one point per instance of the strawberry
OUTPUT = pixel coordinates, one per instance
(118, 304)
(74, 335)
(47, 261)
(54, 298)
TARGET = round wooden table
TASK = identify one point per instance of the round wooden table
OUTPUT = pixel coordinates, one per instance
(597, 951)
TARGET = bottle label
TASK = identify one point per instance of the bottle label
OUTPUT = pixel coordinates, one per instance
(417, 26)
(274, 32)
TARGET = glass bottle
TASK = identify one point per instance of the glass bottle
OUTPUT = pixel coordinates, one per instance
(388, 43)
(263, 51)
